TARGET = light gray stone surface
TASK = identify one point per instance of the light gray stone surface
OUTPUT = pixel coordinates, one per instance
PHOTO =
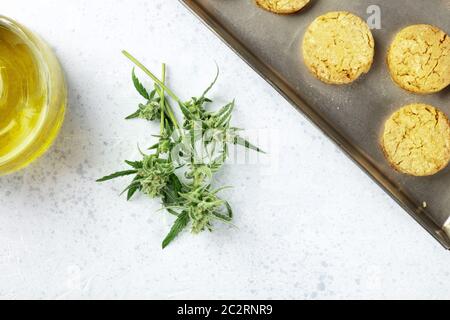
(309, 223)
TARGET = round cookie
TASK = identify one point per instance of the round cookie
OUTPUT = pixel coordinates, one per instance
(416, 140)
(282, 6)
(338, 47)
(419, 59)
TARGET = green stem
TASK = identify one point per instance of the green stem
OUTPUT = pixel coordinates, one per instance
(168, 109)
(172, 116)
(163, 99)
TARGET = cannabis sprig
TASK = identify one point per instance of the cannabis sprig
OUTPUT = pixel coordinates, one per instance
(180, 167)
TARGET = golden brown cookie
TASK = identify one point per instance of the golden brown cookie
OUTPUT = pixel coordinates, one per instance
(338, 48)
(416, 140)
(282, 6)
(419, 59)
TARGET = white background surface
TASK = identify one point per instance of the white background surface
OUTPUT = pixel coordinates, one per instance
(310, 226)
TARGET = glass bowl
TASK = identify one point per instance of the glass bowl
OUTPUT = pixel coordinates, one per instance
(33, 96)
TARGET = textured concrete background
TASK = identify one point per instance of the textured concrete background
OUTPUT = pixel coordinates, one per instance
(309, 223)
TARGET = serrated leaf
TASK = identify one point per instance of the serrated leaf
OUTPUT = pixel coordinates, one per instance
(134, 115)
(179, 225)
(131, 192)
(152, 94)
(225, 109)
(228, 216)
(134, 164)
(229, 210)
(224, 115)
(154, 147)
(171, 193)
(186, 112)
(222, 217)
(117, 175)
(133, 189)
(172, 212)
(139, 86)
(131, 186)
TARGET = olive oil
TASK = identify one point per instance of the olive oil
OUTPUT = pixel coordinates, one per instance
(32, 96)
(22, 94)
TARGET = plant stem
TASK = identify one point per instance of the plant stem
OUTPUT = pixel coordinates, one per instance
(163, 99)
(160, 83)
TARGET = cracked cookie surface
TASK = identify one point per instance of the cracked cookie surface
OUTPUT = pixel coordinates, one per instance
(416, 140)
(419, 59)
(282, 6)
(338, 47)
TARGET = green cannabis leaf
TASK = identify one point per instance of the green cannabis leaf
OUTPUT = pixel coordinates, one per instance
(140, 88)
(181, 223)
(181, 166)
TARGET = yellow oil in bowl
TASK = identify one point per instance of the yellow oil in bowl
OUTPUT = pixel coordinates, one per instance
(33, 96)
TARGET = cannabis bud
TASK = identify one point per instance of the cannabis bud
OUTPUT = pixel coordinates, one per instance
(200, 219)
(150, 111)
(154, 175)
(165, 146)
(202, 205)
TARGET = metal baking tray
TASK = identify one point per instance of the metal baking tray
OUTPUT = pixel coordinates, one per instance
(352, 116)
